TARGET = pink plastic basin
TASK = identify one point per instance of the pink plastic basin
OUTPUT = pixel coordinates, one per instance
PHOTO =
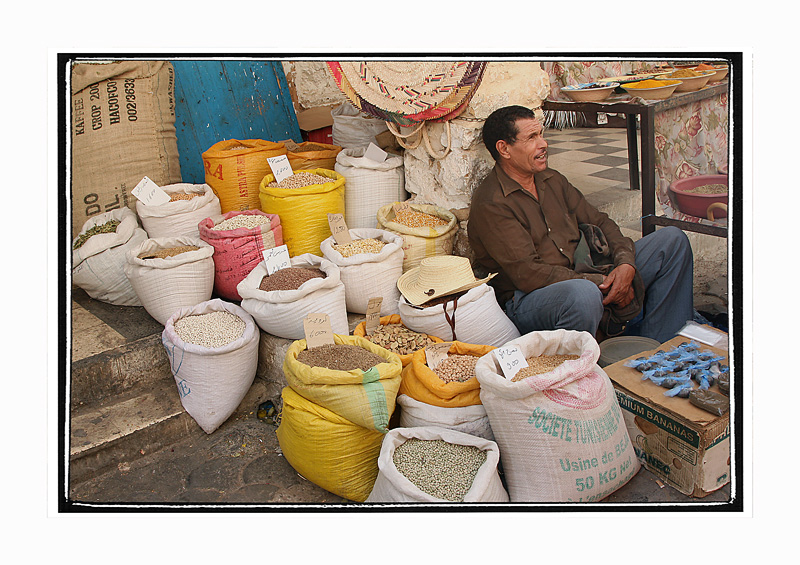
(697, 204)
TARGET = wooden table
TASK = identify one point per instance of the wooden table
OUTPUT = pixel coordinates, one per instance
(646, 112)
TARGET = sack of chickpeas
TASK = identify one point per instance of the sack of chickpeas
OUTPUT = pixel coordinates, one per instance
(370, 184)
(431, 464)
(99, 254)
(170, 273)
(239, 240)
(213, 353)
(427, 230)
(327, 449)
(557, 421)
(391, 334)
(279, 302)
(369, 267)
(471, 420)
(303, 201)
(352, 377)
(189, 204)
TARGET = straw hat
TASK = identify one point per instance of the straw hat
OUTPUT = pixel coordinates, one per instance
(438, 276)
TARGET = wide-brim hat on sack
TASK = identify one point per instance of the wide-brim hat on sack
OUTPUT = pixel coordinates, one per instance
(438, 276)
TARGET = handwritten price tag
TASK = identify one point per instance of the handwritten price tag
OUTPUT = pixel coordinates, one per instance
(511, 360)
(436, 353)
(280, 167)
(373, 314)
(149, 193)
(339, 229)
(276, 258)
(317, 328)
(399, 207)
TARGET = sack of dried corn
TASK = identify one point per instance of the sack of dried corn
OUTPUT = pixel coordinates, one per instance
(234, 168)
(474, 317)
(311, 284)
(170, 273)
(370, 185)
(431, 464)
(369, 267)
(427, 230)
(239, 240)
(311, 155)
(213, 353)
(327, 449)
(303, 202)
(393, 335)
(364, 395)
(189, 204)
(471, 420)
(99, 254)
(561, 433)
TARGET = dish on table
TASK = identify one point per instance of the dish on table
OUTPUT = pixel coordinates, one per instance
(660, 92)
(589, 91)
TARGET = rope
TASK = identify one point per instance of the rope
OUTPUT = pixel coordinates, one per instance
(423, 131)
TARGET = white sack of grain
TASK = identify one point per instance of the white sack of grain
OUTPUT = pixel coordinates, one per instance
(471, 420)
(179, 217)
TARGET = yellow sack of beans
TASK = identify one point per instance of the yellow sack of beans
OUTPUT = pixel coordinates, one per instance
(234, 168)
(423, 240)
(361, 331)
(366, 398)
(304, 210)
(311, 155)
(421, 383)
(328, 450)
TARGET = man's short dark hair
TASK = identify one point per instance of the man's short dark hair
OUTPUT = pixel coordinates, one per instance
(501, 124)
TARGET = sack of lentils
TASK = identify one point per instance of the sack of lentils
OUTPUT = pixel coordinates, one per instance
(391, 334)
(426, 229)
(213, 352)
(189, 204)
(352, 377)
(279, 302)
(559, 426)
(471, 420)
(239, 240)
(369, 267)
(471, 317)
(99, 255)
(170, 273)
(430, 464)
(328, 450)
(303, 201)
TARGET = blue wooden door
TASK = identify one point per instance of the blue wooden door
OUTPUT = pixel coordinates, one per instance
(218, 100)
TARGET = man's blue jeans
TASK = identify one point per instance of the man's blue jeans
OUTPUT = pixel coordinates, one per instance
(664, 261)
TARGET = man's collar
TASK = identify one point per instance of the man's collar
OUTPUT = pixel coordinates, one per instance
(509, 185)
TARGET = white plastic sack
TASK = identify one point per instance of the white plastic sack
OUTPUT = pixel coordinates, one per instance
(393, 486)
(353, 128)
(561, 434)
(281, 312)
(476, 317)
(212, 382)
(370, 185)
(98, 266)
(174, 219)
(369, 275)
(471, 420)
(165, 285)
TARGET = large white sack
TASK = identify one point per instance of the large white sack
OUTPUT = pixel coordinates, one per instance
(165, 285)
(471, 420)
(281, 312)
(476, 318)
(561, 434)
(354, 128)
(369, 275)
(174, 219)
(393, 486)
(212, 382)
(98, 266)
(370, 185)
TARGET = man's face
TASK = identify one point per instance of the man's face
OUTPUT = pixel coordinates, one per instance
(528, 153)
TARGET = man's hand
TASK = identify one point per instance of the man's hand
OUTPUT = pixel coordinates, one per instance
(617, 286)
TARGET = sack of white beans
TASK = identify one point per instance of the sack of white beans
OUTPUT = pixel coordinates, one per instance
(239, 239)
(471, 420)
(98, 262)
(281, 312)
(432, 464)
(170, 273)
(213, 352)
(561, 433)
(189, 205)
(475, 317)
(369, 268)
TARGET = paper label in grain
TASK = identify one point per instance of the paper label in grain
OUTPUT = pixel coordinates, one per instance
(373, 314)
(511, 360)
(339, 229)
(280, 167)
(276, 258)
(317, 328)
(149, 193)
(436, 353)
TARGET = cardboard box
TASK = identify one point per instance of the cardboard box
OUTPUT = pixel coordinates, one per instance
(685, 446)
(315, 118)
